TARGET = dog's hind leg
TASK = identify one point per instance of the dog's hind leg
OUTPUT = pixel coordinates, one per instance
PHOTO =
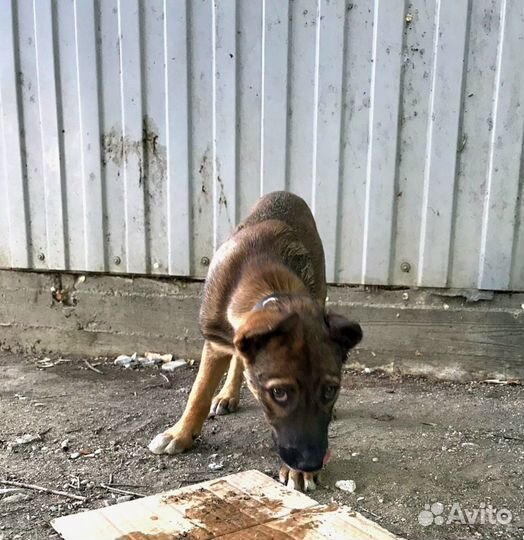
(179, 437)
(226, 401)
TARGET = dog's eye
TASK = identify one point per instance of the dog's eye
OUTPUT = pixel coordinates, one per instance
(279, 394)
(330, 392)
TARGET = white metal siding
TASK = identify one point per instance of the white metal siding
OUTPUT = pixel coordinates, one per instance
(134, 134)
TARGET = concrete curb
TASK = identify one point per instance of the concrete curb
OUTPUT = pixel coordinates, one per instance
(418, 332)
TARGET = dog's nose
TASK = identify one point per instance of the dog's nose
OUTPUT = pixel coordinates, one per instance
(305, 459)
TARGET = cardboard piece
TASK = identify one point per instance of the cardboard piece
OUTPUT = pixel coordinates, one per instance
(247, 505)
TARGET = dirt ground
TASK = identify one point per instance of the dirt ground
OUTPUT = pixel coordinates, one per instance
(406, 443)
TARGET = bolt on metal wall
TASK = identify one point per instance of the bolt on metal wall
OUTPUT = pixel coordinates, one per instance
(135, 134)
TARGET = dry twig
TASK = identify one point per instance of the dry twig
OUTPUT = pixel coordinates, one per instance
(92, 368)
(43, 490)
(121, 491)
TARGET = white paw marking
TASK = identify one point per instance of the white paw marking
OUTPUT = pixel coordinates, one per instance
(164, 444)
(159, 443)
(309, 484)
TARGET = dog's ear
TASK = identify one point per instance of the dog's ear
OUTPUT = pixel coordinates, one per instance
(260, 327)
(346, 333)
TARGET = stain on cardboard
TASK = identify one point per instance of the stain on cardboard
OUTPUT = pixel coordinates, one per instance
(136, 535)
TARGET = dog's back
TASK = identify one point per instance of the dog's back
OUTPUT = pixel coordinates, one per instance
(295, 213)
(280, 228)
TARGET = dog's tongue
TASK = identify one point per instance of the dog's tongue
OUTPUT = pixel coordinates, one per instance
(327, 458)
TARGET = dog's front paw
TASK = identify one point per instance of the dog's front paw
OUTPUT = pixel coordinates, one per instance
(171, 441)
(223, 404)
(302, 481)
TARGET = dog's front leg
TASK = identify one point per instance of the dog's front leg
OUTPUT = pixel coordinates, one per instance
(179, 437)
(226, 401)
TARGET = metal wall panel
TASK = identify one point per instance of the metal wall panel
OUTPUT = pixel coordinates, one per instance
(135, 134)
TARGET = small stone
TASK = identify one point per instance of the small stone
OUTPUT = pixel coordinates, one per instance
(348, 486)
(360, 499)
(64, 445)
(215, 466)
(75, 455)
(175, 364)
(405, 296)
(375, 459)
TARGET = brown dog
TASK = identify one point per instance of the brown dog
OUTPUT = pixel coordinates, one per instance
(263, 314)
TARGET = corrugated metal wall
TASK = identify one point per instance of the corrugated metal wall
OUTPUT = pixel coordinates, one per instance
(135, 134)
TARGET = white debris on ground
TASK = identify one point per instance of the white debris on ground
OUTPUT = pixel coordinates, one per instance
(215, 465)
(348, 486)
(129, 361)
(175, 364)
(150, 359)
(85, 452)
(6, 491)
(15, 499)
(28, 438)
(44, 363)
(159, 357)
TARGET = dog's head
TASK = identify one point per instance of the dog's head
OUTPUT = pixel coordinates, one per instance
(293, 356)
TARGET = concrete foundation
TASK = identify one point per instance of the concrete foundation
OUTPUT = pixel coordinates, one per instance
(448, 334)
